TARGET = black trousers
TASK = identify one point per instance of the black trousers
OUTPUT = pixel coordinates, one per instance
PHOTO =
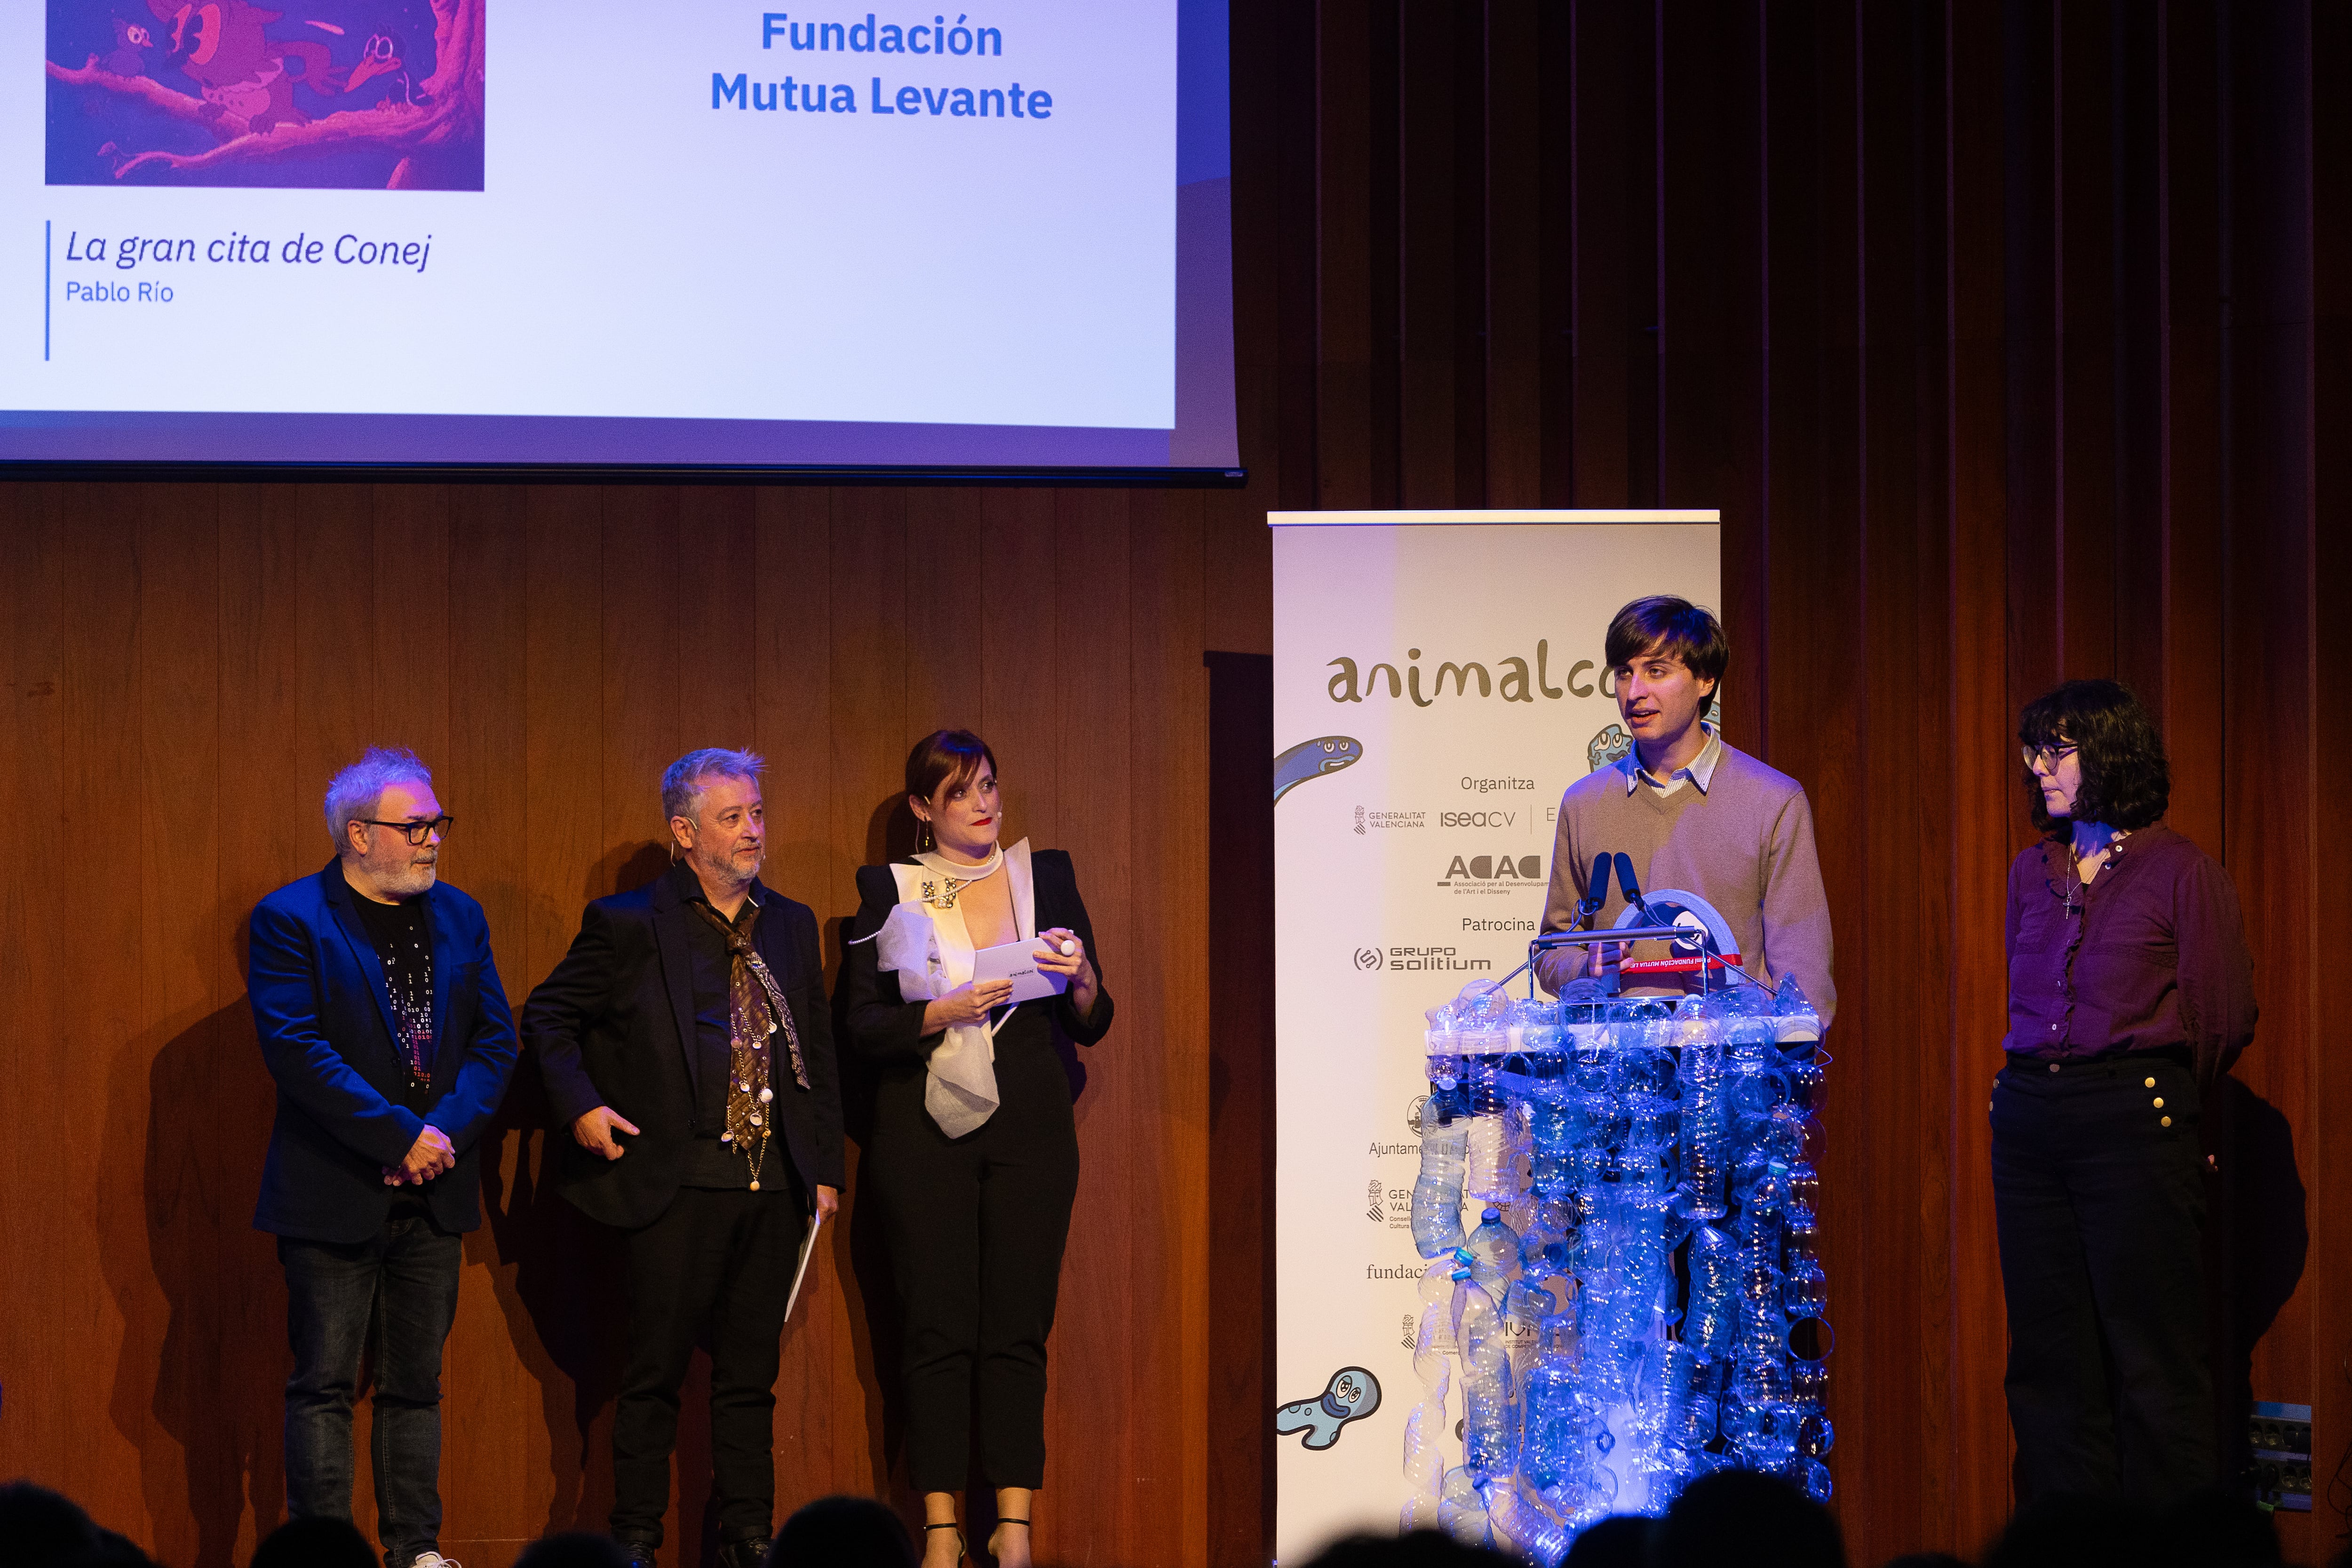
(976, 1227)
(2100, 1206)
(717, 1267)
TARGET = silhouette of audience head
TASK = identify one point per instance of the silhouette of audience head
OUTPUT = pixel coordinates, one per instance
(314, 1543)
(1621, 1541)
(2215, 1528)
(2075, 1530)
(573, 1549)
(1419, 1549)
(843, 1533)
(1744, 1519)
(39, 1529)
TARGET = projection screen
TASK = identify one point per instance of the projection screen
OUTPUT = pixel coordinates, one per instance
(694, 236)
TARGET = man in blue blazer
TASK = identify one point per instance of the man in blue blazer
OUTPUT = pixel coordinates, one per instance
(381, 1016)
(687, 1042)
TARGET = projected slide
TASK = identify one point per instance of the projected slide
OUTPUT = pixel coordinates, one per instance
(667, 232)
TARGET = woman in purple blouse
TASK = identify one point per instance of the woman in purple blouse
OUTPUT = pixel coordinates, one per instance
(2129, 992)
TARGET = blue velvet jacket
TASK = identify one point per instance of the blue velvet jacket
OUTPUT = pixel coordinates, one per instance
(324, 1022)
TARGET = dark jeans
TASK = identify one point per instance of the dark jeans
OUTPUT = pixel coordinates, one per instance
(717, 1266)
(399, 1290)
(2100, 1206)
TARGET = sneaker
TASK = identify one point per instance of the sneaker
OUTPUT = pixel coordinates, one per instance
(434, 1560)
(640, 1553)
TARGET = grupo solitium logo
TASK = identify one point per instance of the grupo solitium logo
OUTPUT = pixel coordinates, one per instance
(1409, 958)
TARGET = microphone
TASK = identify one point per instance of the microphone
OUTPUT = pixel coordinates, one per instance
(1633, 888)
(1596, 890)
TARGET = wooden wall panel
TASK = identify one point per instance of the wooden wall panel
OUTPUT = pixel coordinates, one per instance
(2009, 339)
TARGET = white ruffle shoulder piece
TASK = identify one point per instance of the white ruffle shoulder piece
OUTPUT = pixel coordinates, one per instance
(931, 950)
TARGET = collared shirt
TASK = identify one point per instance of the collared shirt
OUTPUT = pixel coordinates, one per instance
(2149, 955)
(1701, 771)
(709, 1162)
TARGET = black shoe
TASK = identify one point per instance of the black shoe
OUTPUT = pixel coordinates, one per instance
(640, 1553)
(751, 1553)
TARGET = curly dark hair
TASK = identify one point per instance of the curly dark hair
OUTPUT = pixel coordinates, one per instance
(2126, 783)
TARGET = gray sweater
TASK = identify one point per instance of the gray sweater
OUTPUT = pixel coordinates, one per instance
(1745, 844)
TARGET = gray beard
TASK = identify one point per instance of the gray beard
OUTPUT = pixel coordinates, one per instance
(412, 880)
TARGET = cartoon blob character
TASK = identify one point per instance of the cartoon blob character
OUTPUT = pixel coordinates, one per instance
(1351, 1395)
(1608, 747)
(1313, 759)
(131, 42)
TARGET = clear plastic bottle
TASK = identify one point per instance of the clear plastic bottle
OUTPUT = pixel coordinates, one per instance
(1437, 1217)
(1552, 1449)
(1437, 1193)
(1541, 1537)
(1490, 1426)
(1711, 1325)
(1545, 1246)
(1796, 1027)
(1425, 1451)
(1461, 1509)
(1428, 1426)
(1494, 1251)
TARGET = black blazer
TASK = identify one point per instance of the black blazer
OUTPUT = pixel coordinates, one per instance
(890, 1031)
(613, 1025)
(324, 1022)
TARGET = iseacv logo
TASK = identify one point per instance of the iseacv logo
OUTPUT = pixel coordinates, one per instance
(1493, 869)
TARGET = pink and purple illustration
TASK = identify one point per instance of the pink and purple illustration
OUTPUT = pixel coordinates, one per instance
(325, 94)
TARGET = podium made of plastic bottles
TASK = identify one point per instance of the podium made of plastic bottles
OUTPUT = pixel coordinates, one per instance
(1639, 1299)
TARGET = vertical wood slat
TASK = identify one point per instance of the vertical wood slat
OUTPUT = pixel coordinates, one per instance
(1516, 213)
(1984, 792)
(2326, 1148)
(1343, 455)
(2191, 370)
(2084, 266)
(1091, 1452)
(2272, 813)
(1605, 138)
(1427, 281)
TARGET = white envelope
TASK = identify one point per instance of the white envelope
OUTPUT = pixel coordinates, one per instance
(1017, 961)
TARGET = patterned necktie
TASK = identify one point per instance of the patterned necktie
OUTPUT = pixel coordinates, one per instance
(752, 1018)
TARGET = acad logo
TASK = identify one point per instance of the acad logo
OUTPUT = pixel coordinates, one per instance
(1492, 873)
(1368, 958)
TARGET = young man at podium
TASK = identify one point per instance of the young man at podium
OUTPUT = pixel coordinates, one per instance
(1687, 812)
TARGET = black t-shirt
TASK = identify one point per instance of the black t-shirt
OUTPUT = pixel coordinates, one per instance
(403, 940)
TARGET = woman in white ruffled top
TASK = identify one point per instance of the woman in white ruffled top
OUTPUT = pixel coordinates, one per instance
(972, 1163)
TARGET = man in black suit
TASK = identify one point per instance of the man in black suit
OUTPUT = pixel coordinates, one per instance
(380, 1015)
(687, 1042)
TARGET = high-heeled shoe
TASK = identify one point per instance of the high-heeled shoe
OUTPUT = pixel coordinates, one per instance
(962, 1546)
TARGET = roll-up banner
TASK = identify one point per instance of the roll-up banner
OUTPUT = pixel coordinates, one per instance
(1438, 682)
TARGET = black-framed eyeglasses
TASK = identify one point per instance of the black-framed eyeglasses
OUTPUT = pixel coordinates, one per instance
(417, 831)
(2045, 757)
